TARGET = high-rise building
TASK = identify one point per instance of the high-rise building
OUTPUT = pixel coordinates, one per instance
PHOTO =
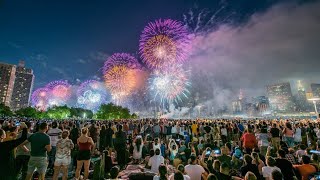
(315, 88)
(301, 98)
(22, 87)
(261, 104)
(7, 77)
(280, 97)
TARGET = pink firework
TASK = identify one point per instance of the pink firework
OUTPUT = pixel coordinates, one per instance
(60, 89)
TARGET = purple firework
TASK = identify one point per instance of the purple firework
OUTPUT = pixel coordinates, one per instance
(39, 98)
(121, 59)
(163, 43)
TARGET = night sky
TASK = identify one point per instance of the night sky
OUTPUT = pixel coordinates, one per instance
(70, 39)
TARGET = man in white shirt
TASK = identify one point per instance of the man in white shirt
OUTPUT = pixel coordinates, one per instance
(155, 161)
(194, 170)
(54, 134)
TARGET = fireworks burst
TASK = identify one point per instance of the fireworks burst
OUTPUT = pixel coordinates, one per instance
(60, 92)
(163, 43)
(91, 94)
(120, 73)
(39, 98)
(169, 85)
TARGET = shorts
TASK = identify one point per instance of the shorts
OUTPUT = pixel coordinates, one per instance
(62, 161)
(84, 155)
(39, 163)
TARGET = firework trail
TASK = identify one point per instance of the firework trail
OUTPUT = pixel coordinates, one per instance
(163, 43)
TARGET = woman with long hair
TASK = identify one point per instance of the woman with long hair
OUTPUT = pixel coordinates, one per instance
(137, 150)
(86, 145)
(163, 173)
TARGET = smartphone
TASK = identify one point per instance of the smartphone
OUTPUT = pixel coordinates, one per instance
(17, 123)
(314, 151)
(208, 153)
(217, 151)
(178, 140)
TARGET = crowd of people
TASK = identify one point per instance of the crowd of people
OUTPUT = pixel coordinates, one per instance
(164, 149)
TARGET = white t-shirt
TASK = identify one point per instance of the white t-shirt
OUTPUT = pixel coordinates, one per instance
(54, 136)
(194, 171)
(155, 162)
(267, 171)
(185, 177)
(224, 132)
(297, 135)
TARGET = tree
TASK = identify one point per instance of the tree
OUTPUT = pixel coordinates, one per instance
(27, 112)
(5, 110)
(59, 112)
(112, 111)
(81, 113)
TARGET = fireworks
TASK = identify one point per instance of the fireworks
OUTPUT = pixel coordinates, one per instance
(91, 94)
(60, 92)
(169, 85)
(120, 73)
(39, 98)
(163, 43)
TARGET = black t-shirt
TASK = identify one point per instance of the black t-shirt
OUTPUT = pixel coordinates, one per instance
(250, 167)
(275, 132)
(169, 130)
(207, 129)
(224, 177)
(286, 168)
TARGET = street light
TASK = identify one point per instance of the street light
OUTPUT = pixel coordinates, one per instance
(314, 100)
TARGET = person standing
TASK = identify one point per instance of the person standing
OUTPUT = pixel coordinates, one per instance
(7, 165)
(40, 145)
(120, 147)
(54, 134)
(249, 141)
(275, 136)
(109, 134)
(23, 155)
(86, 145)
(63, 156)
(288, 135)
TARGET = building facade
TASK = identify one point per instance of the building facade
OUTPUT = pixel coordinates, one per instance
(7, 77)
(23, 86)
(315, 88)
(280, 97)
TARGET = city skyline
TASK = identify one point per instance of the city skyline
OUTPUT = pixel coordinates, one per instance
(233, 45)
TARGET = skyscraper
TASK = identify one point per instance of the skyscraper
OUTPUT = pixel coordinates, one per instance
(22, 87)
(315, 88)
(7, 77)
(280, 96)
(301, 100)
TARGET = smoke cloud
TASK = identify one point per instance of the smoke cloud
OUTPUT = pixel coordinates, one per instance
(281, 44)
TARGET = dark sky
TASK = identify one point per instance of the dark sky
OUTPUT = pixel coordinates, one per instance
(70, 39)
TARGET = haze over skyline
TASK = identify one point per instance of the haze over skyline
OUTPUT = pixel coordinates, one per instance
(246, 45)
